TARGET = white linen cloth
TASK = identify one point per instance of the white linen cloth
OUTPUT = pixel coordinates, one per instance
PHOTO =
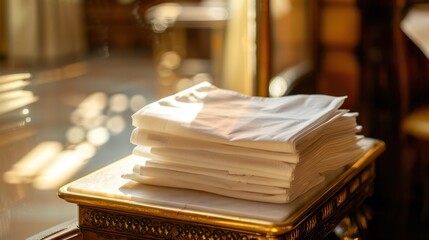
(331, 155)
(253, 192)
(254, 148)
(208, 113)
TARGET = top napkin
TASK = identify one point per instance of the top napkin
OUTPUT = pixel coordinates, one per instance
(205, 112)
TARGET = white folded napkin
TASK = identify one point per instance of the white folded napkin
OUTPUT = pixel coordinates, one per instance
(208, 113)
(254, 192)
(143, 137)
(235, 164)
(262, 149)
(222, 174)
(343, 128)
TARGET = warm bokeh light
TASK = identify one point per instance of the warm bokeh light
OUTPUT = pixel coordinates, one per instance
(278, 87)
(98, 136)
(86, 150)
(137, 102)
(283, 83)
(118, 102)
(95, 102)
(202, 77)
(184, 83)
(75, 134)
(96, 121)
(89, 112)
(116, 124)
(163, 15)
(165, 72)
(170, 60)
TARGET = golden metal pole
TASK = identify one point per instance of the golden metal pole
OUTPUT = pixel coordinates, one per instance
(263, 50)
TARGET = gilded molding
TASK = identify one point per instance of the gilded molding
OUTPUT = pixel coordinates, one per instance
(333, 211)
(314, 226)
(145, 226)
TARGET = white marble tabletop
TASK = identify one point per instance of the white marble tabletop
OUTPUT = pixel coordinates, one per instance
(107, 183)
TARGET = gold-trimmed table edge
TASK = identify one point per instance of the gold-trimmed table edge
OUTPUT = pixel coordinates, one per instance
(357, 177)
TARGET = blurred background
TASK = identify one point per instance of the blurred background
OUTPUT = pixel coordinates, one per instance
(73, 71)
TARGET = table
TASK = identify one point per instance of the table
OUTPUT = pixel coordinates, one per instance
(111, 207)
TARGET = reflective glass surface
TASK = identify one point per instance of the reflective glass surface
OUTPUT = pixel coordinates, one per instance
(71, 75)
(58, 124)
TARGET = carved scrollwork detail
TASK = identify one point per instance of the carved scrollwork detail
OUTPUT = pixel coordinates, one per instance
(327, 210)
(354, 185)
(137, 226)
(311, 224)
(314, 226)
(341, 197)
(294, 234)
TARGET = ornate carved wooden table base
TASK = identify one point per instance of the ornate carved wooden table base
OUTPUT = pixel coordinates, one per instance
(118, 214)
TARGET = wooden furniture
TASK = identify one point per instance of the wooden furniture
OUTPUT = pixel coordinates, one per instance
(67, 230)
(111, 207)
(413, 60)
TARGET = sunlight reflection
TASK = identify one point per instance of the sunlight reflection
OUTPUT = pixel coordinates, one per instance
(12, 97)
(14, 77)
(51, 164)
(89, 109)
(96, 121)
(118, 102)
(58, 74)
(86, 150)
(33, 162)
(16, 103)
(75, 134)
(116, 124)
(98, 136)
(137, 102)
(61, 170)
(13, 85)
(5, 219)
(165, 72)
(14, 94)
(94, 102)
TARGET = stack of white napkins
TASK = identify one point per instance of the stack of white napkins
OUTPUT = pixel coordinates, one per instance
(255, 148)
